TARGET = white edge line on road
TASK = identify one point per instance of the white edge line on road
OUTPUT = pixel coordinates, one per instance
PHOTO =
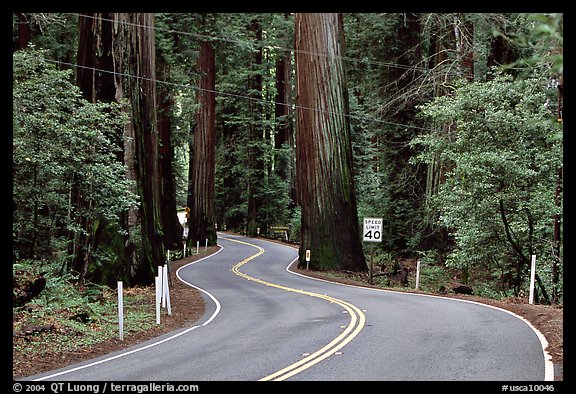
(548, 365)
(218, 307)
(159, 342)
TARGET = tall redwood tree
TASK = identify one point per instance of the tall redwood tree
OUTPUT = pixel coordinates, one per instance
(325, 181)
(134, 55)
(201, 189)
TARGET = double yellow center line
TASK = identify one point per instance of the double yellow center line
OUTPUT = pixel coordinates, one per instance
(356, 324)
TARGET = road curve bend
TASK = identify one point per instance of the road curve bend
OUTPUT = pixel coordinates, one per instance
(264, 322)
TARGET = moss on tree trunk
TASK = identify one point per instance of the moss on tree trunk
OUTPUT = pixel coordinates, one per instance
(325, 179)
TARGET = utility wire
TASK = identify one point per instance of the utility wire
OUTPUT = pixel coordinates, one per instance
(251, 44)
(235, 95)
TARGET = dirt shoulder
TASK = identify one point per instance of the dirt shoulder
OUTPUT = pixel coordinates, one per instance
(187, 306)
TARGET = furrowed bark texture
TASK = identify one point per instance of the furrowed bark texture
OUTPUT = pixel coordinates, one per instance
(134, 55)
(325, 182)
(95, 53)
(170, 223)
(284, 137)
(201, 195)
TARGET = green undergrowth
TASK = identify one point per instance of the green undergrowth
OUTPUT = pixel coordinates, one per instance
(434, 279)
(67, 316)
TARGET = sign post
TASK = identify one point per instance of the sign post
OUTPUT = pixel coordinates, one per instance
(372, 232)
(307, 259)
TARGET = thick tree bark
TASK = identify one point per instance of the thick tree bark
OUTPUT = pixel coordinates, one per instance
(282, 106)
(24, 33)
(284, 137)
(171, 224)
(94, 54)
(134, 57)
(325, 180)
(133, 241)
(201, 189)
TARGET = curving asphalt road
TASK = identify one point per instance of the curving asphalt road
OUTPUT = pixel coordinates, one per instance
(263, 322)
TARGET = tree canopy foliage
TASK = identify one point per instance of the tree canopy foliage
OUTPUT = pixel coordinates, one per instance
(499, 197)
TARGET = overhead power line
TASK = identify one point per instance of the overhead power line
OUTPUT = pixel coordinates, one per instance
(235, 95)
(248, 44)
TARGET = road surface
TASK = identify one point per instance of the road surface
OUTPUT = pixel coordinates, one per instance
(263, 322)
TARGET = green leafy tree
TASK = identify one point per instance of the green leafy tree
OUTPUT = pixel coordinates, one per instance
(499, 198)
(61, 142)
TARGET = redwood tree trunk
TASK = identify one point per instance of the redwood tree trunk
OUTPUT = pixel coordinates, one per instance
(171, 225)
(134, 55)
(325, 181)
(284, 137)
(94, 54)
(24, 33)
(201, 190)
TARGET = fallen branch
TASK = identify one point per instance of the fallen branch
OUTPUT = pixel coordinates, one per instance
(33, 330)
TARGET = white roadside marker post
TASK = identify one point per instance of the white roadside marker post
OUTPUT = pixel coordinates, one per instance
(417, 274)
(162, 291)
(532, 277)
(158, 285)
(120, 310)
(166, 295)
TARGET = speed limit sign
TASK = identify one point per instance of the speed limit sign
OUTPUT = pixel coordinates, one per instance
(372, 230)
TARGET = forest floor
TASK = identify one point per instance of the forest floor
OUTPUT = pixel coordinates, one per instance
(188, 306)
